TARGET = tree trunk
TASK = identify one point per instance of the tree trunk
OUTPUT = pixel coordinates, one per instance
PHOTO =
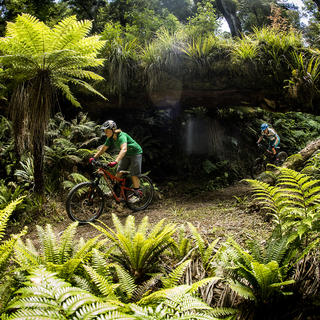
(297, 162)
(228, 9)
(41, 97)
(38, 165)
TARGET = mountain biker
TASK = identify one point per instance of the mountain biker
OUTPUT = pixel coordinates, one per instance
(272, 136)
(130, 155)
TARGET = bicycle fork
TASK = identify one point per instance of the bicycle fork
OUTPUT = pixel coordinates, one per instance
(92, 190)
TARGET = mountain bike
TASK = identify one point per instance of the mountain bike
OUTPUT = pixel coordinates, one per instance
(85, 201)
(266, 157)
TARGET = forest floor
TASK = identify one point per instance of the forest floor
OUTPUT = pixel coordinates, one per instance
(219, 213)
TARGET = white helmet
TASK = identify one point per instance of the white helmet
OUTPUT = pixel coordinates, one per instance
(109, 124)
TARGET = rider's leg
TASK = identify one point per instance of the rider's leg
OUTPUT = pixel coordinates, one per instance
(135, 182)
(135, 169)
(123, 165)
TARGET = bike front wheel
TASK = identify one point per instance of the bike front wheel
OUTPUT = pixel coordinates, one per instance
(143, 201)
(257, 168)
(85, 202)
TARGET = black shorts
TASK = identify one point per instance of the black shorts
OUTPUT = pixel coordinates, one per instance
(133, 163)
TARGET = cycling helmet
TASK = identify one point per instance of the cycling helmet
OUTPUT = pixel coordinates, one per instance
(264, 126)
(109, 124)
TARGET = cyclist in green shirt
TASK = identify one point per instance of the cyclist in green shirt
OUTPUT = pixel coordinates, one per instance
(129, 157)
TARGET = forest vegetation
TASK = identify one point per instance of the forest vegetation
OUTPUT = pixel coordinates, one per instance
(194, 96)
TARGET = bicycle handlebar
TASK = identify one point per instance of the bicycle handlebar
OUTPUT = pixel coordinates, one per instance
(97, 163)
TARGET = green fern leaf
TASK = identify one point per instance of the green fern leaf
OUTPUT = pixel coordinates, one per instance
(66, 243)
(197, 237)
(103, 284)
(127, 284)
(48, 243)
(26, 258)
(242, 290)
(174, 277)
(5, 214)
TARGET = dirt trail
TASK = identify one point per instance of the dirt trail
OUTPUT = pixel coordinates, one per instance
(219, 213)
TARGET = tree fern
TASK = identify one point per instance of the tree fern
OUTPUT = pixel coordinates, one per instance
(36, 57)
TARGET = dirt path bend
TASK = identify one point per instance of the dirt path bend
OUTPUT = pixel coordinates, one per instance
(219, 213)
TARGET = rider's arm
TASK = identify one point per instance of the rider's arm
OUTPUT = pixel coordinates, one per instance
(260, 138)
(123, 151)
(101, 151)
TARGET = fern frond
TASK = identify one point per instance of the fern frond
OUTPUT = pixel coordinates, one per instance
(267, 195)
(24, 257)
(132, 250)
(6, 250)
(64, 88)
(34, 33)
(197, 237)
(158, 228)
(207, 257)
(105, 287)
(126, 281)
(143, 226)
(82, 283)
(115, 315)
(118, 225)
(224, 312)
(93, 310)
(160, 295)
(100, 261)
(202, 283)
(66, 243)
(242, 290)
(174, 277)
(84, 250)
(48, 243)
(45, 296)
(146, 287)
(5, 214)
(129, 228)
(36, 314)
(68, 32)
(276, 249)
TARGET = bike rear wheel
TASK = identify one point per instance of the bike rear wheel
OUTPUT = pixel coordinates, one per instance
(147, 190)
(85, 202)
(281, 158)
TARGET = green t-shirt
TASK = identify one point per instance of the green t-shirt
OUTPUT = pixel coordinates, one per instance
(133, 147)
